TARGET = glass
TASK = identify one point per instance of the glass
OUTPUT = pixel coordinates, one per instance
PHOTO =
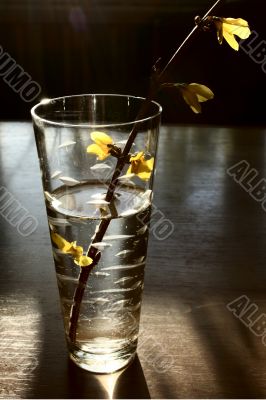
(75, 184)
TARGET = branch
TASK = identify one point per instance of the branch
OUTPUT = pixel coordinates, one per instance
(156, 81)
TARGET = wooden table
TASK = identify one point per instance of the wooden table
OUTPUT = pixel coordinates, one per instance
(191, 345)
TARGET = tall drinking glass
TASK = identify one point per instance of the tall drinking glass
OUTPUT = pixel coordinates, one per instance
(99, 242)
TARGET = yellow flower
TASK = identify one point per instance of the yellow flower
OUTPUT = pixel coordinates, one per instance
(141, 167)
(194, 94)
(71, 248)
(228, 27)
(100, 147)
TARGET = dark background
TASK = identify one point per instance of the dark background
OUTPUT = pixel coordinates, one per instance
(100, 46)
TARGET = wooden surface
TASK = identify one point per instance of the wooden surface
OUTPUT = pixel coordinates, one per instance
(191, 345)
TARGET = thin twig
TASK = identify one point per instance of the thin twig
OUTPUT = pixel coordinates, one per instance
(83, 278)
(194, 30)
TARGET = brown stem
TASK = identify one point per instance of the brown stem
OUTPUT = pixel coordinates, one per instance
(156, 81)
(83, 278)
(189, 36)
(92, 252)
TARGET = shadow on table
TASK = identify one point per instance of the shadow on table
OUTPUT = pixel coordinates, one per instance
(63, 379)
(128, 383)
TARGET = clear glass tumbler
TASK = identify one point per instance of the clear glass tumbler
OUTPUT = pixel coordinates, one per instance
(98, 222)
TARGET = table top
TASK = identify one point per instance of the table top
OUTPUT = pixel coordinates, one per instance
(204, 303)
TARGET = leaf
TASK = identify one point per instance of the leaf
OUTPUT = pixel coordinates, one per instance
(101, 245)
(101, 166)
(128, 213)
(142, 230)
(121, 142)
(116, 237)
(124, 253)
(66, 144)
(69, 181)
(56, 174)
(53, 200)
(98, 196)
(125, 177)
(98, 202)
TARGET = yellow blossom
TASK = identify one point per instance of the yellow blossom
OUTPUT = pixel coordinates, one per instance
(141, 167)
(71, 248)
(194, 94)
(100, 147)
(229, 27)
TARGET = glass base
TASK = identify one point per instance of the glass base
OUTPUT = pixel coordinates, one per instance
(101, 363)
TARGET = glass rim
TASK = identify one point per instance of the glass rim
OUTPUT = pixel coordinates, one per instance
(47, 101)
